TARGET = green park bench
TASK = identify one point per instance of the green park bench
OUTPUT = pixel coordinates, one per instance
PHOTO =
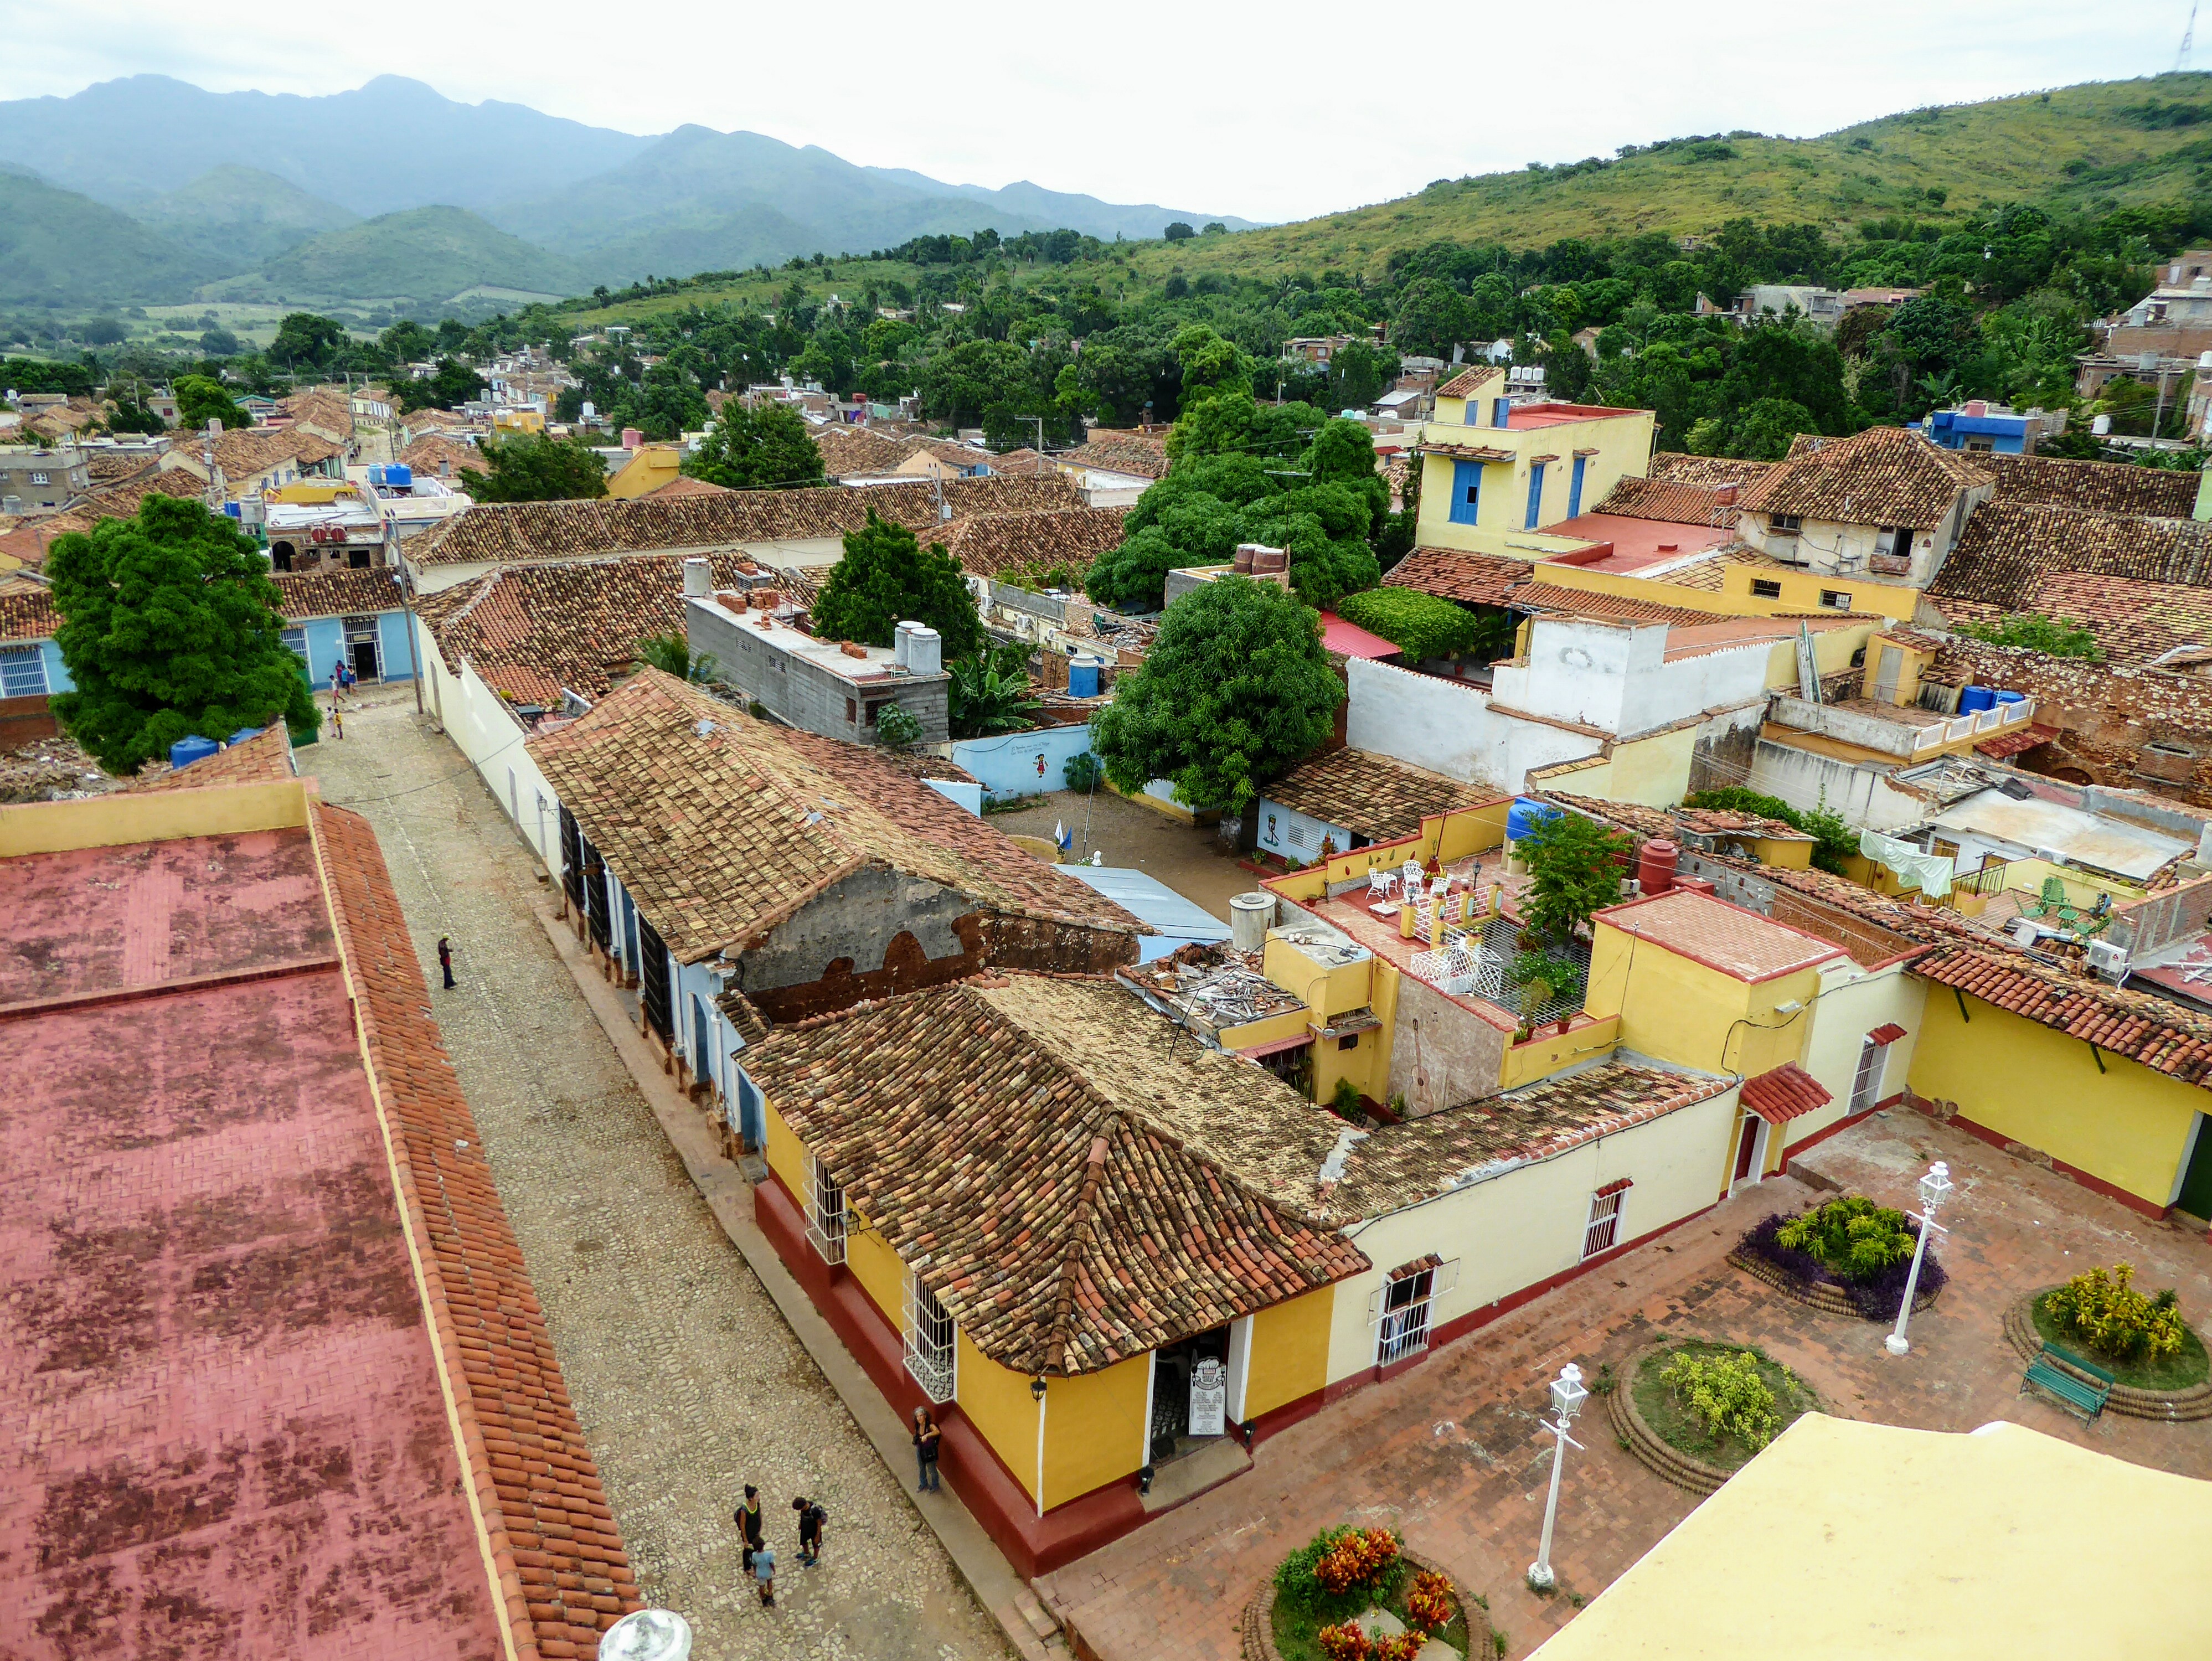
(2083, 1398)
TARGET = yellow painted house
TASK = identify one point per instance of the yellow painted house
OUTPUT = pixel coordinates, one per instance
(649, 467)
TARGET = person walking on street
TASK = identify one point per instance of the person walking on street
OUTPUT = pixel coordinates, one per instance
(338, 720)
(446, 963)
(926, 1439)
(764, 1575)
(748, 1526)
(812, 1516)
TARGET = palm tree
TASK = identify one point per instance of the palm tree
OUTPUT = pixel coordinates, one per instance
(671, 656)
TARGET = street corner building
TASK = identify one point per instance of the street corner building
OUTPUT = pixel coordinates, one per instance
(274, 1382)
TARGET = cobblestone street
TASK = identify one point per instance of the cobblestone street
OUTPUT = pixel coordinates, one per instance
(686, 1379)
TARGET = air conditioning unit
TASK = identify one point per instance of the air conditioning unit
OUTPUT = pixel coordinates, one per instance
(2108, 958)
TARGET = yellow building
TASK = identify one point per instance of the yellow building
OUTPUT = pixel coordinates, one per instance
(649, 467)
(509, 422)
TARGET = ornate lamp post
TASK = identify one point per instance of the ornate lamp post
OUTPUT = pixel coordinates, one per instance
(1935, 1189)
(1567, 1398)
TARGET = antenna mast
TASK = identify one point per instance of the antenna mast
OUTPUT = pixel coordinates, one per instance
(2188, 39)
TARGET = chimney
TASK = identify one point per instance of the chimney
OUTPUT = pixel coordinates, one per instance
(1725, 494)
(925, 651)
(698, 580)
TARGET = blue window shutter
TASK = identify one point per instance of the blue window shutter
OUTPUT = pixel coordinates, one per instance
(1536, 494)
(1575, 490)
(1466, 491)
(1501, 411)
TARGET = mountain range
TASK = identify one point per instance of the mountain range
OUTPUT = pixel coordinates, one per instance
(148, 189)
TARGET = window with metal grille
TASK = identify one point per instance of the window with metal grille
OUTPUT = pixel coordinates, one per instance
(22, 672)
(1765, 588)
(1399, 1309)
(825, 1212)
(1867, 1083)
(929, 1340)
(1603, 1232)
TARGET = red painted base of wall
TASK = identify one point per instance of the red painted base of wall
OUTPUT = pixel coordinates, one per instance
(2011, 1145)
(1034, 1545)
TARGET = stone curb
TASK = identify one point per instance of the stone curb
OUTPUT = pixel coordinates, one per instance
(1258, 1622)
(2167, 1406)
(1817, 1294)
(1677, 1467)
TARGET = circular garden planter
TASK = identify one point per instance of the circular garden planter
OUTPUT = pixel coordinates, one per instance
(1817, 1294)
(2177, 1406)
(1260, 1616)
(1683, 1469)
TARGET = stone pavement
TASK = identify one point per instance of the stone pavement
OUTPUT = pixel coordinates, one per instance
(1450, 1451)
(688, 1382)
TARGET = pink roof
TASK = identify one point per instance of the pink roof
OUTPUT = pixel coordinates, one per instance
(1523, 416)
(1635, 543)
(1736, 941)
(1350, 640)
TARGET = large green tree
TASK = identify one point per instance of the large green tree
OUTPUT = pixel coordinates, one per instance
(169, 627)
(767, 448)
(455, 381)
(306, 341)
(887, 578)
(1236, 689)
(201, 400)
(529, 467)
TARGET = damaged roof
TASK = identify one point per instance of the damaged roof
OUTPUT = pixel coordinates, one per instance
(1372, 795)
(1883, 475)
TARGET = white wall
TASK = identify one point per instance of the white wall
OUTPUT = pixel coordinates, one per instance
(1514, 1230)
(1450, 728)
(1617, 678)
(1852, 1004)
(1861, 792)
(487, 732)
(1297, 836)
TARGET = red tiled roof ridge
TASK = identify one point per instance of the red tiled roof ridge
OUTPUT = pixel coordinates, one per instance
(555, 1554)
(1882, 475)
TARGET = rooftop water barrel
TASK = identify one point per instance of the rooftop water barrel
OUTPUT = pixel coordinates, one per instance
(1525, 816)
(1655, 866)
(244, 733)
(1973, 700)
(1250, 917)
(2012, 698)
(399, 475)
(184, 752)
(1082, 679)
(376, 472)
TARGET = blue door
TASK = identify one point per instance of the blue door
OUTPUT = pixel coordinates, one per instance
(1501, 411)
(702, 1049)
(1535, 495)
(1466, 491)
(1575, 488)
(749, 1120)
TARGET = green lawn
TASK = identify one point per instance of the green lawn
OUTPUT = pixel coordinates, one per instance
(1684, 1432)
(2173, 1372)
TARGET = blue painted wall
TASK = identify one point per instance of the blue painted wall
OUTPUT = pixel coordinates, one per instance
(1007, 765)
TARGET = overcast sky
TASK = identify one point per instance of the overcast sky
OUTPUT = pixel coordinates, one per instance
(1271, 112)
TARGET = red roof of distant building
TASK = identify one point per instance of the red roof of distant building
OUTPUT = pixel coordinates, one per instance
(1350, 640)
(1782, 1095)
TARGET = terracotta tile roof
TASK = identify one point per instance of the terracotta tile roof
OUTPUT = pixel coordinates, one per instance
(720, 836)
(991, 543)
(244, 452)
(1736, 941)
(1370, 795)
(1076, 1181)
(1887, 1032)
(2019, 558)
(1145, 458)
(1674, 467)
(1541, 596)
(1675, 502)
(1883, 475)
(563, 1574)
(337, 593)
(683, 485)
(2101, 486)
(1468, 381)
(1722, 822)
(108, 467)
(435, 456)
(260, 760)
(1448, 574)
(499, 533)
(1465, 451)
(856, 453)
(2162, 1036)
(533, 630)
(1787, 1092)
(28, 614)
(1403, 1165)
(322, 406)
(739, 1010)
(120, 501)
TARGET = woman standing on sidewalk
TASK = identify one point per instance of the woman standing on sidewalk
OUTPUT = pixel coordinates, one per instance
(926, 1439)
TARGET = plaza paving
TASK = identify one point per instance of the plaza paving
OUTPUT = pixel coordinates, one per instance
(1451, 1453)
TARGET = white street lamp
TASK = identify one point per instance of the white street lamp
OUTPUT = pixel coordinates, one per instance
(1567, 1398)
(1935, 1189)
(648, 1635)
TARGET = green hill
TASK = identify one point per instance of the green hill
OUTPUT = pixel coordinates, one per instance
(237, 217)
(425, 254)
(2094, 146)
(55, 244)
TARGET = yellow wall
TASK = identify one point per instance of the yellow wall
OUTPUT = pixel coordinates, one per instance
(1550, 1052)
(2126, 1125)
(1288, 1025)
(1327, 992)
(1290, 1352)
(877, 1268)
(1654, 770)
(997, 1402)
(1094, 1429)
(1619, 447)
(128, 817)
(787, 1155)
(1801, 590)
(651, 467)
(1679, 1010)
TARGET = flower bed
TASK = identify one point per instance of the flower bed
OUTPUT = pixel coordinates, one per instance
(1300, 1616)
(1797, 1272)
(1662, 1427)
(2175, 1392)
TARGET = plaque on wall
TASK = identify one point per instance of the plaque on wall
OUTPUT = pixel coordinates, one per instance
(1209, 1398)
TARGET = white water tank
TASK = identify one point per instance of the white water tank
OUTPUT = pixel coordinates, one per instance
(698, 580)
(925, 651)
(1250, 917)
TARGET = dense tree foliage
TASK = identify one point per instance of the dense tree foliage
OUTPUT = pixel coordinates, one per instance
(200, 400)
(887, 578)
(764, 449)
(170, 627)
(530, 467)
(1236, 689)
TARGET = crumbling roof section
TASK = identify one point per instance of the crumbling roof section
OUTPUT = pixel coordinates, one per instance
(1883, 475)
(1451, 574)
(1368, 794)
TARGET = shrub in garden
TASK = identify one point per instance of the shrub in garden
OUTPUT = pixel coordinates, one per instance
(1357, 1561)
(1877, 1299)
(1726, 1394)
(2102, 1308)
(1851, 1236)
(1344, 1642)
(1429, 1605)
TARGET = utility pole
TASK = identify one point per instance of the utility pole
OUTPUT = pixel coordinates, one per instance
(2188, 39)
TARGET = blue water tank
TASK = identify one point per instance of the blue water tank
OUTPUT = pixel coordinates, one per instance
(244, 733)
(184, 752)
(399, 475)
(1083, 680)
(2012, 698)
(1973, 700)
(1525, 816)
(376, 472)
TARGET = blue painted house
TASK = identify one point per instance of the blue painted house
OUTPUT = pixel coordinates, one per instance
(1978, 424)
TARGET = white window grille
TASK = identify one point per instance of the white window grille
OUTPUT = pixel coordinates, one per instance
(1867, 1083)
(929, 1334)
(22, 672)
(825, 1212)
(1399, 1309)
(1603, 1232)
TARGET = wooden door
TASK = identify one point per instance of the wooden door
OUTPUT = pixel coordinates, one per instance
(1748, 1148)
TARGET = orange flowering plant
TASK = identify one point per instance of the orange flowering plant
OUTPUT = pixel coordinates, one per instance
(1359, 1559)
(1429, 1605)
